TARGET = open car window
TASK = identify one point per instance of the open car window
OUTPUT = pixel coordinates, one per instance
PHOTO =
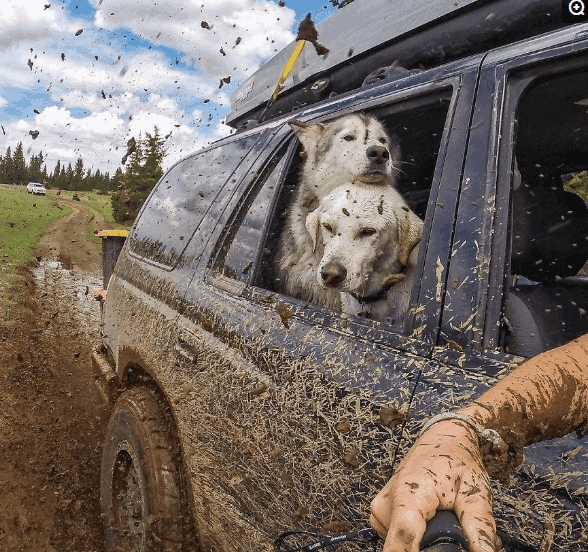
(250, 248)
(548, 298)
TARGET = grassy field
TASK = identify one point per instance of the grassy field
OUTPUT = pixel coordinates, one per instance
(101, 206)
(97, 202)
(579, 185)
(23, 219)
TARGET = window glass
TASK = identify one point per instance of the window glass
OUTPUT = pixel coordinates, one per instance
(237, 256)
(548, 298)
(182, 198)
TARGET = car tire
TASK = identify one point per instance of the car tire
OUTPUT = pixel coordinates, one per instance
(141, 483)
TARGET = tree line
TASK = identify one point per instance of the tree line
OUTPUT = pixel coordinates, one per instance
(14, 169)
(130, 187)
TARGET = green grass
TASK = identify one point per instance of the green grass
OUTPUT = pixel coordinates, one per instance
(97, 202)
(100, 204)
(579, 185)
(23, 220)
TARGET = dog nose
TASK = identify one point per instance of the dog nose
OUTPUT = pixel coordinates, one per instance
(379, 154)
(333, 274)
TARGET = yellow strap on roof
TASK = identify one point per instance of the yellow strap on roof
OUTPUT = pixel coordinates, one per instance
(287, 69)
(113, 233)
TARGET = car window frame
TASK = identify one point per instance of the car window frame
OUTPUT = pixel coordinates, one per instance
(518, 77)
(399, 338)
(285, 146)
(482, 334)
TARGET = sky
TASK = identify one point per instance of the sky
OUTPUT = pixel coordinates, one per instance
(79, 78)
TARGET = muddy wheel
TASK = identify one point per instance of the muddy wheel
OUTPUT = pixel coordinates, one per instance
(140, 486)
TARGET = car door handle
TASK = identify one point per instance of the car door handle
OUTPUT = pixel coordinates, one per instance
(187, 346)
(187, 352)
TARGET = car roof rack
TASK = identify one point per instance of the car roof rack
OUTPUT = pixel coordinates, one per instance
(367, 37)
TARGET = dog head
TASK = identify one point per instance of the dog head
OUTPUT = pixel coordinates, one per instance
(366, 234)
(353, 147)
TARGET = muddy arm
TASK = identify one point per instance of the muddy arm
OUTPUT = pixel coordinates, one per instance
(545, 397)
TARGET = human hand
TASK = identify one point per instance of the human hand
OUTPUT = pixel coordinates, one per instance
(442, 471)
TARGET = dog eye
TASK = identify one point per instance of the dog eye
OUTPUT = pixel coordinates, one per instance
(328, 228)
(349, 137)
(365, 232)
(382, 140)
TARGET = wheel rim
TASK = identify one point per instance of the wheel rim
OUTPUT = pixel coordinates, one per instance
(128, 501)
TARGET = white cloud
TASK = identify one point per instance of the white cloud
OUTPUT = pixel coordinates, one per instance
(247, 31)
(100, 138)
(145, 122)
(93, 91)
(27, 22)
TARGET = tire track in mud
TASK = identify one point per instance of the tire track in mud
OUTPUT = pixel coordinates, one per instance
(68, 239)
(53, 416)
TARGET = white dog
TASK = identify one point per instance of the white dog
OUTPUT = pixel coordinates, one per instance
(368, 241)
(351, 148)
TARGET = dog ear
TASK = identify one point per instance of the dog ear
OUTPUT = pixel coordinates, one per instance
(410, 231)
(307, 133)
(313, 227)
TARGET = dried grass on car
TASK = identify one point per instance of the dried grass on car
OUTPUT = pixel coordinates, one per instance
(290, 449)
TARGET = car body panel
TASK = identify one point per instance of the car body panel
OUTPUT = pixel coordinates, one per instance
(161, 286)
(262, 427)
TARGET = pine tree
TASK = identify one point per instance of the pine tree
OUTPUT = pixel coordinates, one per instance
(19, 165)
(142, 173)
(88, 181)
(5, 166)
(154, 154)
(107, 182)
(55, 177)
(67, 176)
(98, 181)
(78, 175)
(120, 211)
(9, 172)
(34, 171)
(151, 169)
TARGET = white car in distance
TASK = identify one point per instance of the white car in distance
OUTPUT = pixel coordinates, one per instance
(36, 189)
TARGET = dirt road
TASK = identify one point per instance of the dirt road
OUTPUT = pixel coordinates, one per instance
(53, 417)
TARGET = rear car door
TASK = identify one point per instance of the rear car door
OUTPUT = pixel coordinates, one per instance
(514, 281)
(293, 415)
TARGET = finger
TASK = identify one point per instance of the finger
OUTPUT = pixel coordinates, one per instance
(381, 510)
(378, 526)
(406, 531)
(480, 532)
(475, 514)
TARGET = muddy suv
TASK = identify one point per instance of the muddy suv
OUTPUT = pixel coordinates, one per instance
(240, 412)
